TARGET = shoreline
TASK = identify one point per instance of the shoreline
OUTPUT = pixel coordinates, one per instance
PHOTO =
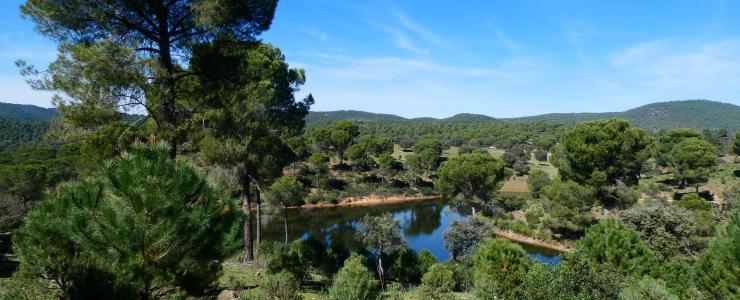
(368, 201)
(523, 239)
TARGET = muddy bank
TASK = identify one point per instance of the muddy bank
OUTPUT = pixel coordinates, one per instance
(523, 239)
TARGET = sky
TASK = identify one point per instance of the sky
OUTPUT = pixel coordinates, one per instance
(499, 58)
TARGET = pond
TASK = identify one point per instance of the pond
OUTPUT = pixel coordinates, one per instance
(423, 224)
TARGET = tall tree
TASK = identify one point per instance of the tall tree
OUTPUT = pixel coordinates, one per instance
(736, 144)
(604, 154)
(341, 135)
(145, 227)
(250, 110)
(428, 149)
(499, 267)
(285, 191)
(692, 161)
(383, 235)
(667, 139)
(153, 34)
(472, 175)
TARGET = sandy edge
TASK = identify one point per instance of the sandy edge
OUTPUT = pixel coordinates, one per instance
(520, 238)
(368, 201)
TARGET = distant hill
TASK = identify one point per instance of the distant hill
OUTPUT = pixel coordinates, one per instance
(696, 114)
(27, 112)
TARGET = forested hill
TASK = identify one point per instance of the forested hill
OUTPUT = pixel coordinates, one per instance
(696, 114)
(325, 117)
(26, 112)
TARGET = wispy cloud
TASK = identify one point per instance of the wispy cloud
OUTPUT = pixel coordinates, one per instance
(676, 63)
(416, 28)
(317, 34)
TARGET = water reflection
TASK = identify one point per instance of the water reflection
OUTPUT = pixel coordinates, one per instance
(423, 224)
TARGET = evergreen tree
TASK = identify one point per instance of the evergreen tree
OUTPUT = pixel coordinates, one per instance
(132, 41)
(354, 281)
(147, 226)
(249, 112)
(472, 175)
(617, 247)
(499, 268)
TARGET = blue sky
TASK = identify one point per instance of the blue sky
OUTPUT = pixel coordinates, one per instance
(500, 58)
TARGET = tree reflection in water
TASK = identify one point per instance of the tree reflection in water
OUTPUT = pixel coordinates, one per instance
(423, 224)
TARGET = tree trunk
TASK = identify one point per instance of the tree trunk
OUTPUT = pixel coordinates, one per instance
(165, 58)
(285, 221)
(380, 271)
(259, 221)
(246, 207)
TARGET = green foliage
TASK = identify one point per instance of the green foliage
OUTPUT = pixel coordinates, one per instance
(406, 267)
(428, 149)
(540, 155)
(285, 191)
(537, 180)
(665, 229)
(15, 134)
(717, 269)
(381, 233)
(617, 247)
(499, 267)
(437, 283)
(291, 258)
(145, 225)
(463, 238)
(575, 277)
(667, 139)
(472, 175)
(338, 137)
(426, 260)
(647, 288)
(354, 281)
(568, 206)
(736, 144)
(280, 286)
(692, 161)
(693, 202)
(604, 152)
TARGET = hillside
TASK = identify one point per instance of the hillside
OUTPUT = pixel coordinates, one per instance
(696, 114)
(26, 112)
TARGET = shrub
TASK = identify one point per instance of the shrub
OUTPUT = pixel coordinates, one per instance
(499, 267)
(693, 202)
(646, 288)
(279, 286)
(354, 281)
(618, 247)
(405, 268)
(426, 260)
(437, 283)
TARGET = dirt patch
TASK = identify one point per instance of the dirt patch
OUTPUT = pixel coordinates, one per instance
(520, 238)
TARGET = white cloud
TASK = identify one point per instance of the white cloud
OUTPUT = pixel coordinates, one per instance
(317, 34)
(416, 28)
(676, 63)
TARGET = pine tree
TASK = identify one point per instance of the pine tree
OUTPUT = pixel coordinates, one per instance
(145, 226)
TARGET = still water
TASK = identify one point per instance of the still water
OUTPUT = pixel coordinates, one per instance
(423, 224)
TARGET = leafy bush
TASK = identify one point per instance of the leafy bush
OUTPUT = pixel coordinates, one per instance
(646, 288)
(279, 286)
(437, 283)
(426, 260)
(354, 281)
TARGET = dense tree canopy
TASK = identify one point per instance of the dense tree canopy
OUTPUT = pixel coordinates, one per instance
(617, 247)
(692, 161)
(131, 41)
(472, 175)
(604, 152)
